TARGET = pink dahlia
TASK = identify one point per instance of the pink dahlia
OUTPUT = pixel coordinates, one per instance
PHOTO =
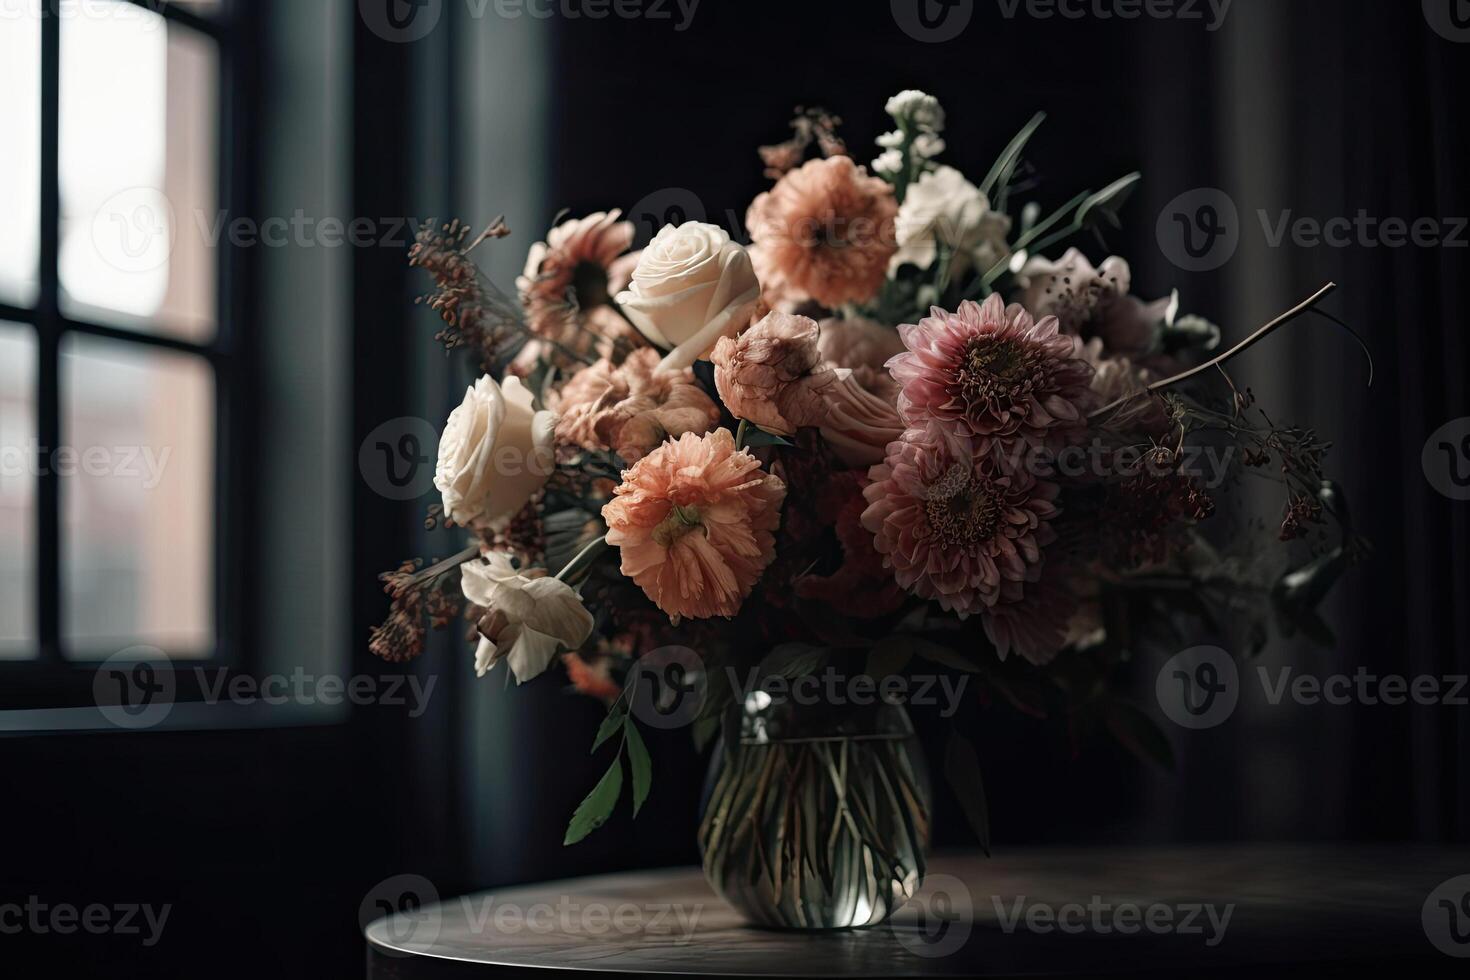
(992, 372)
(695, 520)
(825, 231)
(952, 524)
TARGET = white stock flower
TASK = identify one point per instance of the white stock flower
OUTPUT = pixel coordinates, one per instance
(530, 619)
(918, 110)
(927, 146)
(692, 286)
(889, 163)
(496, 452)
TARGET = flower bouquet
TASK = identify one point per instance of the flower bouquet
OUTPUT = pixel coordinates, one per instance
(775, 491)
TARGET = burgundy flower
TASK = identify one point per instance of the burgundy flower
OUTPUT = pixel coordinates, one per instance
(954, 525)
(1035, 619)
(992, 373)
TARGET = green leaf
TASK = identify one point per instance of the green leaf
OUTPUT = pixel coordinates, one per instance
(1025, 696)
(705, 729)
(1106, 202)
(793, 660)
(611, 725)
(1005, 164)
(755, 436)
(938, 653)
(641, 765)
(962, 769)
(888, 658)
(1139, 734)
(598, 805)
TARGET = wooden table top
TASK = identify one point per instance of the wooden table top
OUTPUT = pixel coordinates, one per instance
(1223, 910)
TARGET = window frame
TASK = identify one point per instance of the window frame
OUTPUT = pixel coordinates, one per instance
(50, 678)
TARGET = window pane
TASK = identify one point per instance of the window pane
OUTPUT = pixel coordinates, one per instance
(137, 499)
(20, 158)
(17, 492)
(139, 142)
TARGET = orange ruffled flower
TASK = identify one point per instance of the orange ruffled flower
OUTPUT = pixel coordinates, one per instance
(827, 231)
(695, 521)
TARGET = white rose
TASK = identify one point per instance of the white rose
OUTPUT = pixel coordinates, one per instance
(530, 618)
(942, 206)
(692, 286)
(496, 452)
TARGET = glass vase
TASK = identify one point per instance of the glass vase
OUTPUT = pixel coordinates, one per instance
(815, 816)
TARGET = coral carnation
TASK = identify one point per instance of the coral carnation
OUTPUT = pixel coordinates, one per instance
(953, 525)
(825, 231)
(695, 521)
(991, 372)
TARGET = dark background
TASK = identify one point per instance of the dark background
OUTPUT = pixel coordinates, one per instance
(266, 841)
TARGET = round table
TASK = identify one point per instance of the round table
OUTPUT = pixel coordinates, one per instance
(1220, 911)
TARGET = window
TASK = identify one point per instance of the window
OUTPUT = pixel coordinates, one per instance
(120, 347)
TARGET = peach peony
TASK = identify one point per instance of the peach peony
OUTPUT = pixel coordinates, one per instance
(695, 521)
(864, 346)
(773, 376)
(765, 375)
(632, 407)
(825, 231)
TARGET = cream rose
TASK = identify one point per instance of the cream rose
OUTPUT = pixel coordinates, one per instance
(692, 286)
(496, 451)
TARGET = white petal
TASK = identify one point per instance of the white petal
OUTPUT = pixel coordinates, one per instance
(531, 654)
(484, 657)
(558, 611)
(478, 578)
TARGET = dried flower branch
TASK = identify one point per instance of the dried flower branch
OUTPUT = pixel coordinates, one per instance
(475, 312)
(810, 125)
(422, 598)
